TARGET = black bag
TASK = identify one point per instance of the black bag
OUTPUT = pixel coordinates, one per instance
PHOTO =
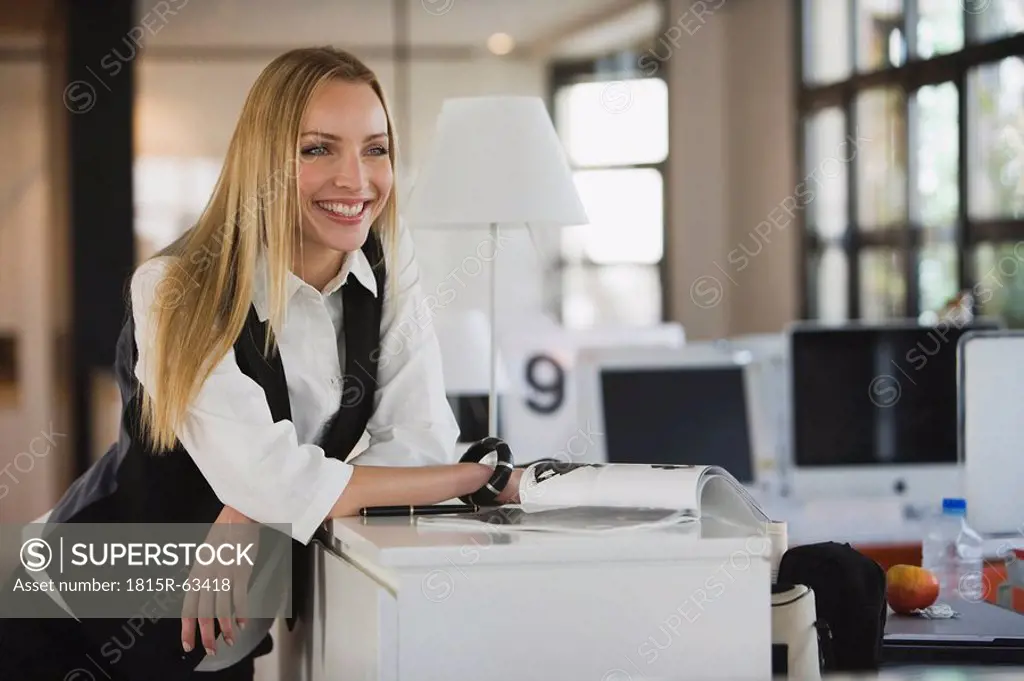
(849, 594)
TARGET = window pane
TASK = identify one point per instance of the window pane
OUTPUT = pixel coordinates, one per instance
(940, 27)
(881, 160)
(170, 193)
(827, 170)
(829, 280)
(626, 217)
(828, 41)
(937, 276)
(199, 182)
(998, 282)
(614, 123)
(936, 194)
(158, 181)
(880, 39)
(996, 18)
(882, 287)
(996, 139)
(613, 294)
(157, 227)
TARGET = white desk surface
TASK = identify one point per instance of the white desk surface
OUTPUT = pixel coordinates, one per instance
(397, 542)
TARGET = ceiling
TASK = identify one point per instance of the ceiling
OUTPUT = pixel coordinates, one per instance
(539, 27)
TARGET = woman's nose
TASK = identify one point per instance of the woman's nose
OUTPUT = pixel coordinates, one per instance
(350, 172)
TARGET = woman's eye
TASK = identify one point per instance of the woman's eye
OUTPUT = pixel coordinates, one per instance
(379, 150)
(316, 150)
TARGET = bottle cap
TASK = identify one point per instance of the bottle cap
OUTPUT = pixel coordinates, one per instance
(777, 533)
(954, 504)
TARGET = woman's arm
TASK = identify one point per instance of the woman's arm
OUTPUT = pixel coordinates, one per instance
(399, 486)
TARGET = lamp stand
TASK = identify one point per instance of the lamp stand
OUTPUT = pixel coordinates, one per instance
(492, 397)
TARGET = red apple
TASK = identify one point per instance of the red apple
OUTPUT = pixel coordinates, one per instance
(910, 587)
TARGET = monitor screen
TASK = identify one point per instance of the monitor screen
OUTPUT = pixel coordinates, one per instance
(875, 395)
(678, 415)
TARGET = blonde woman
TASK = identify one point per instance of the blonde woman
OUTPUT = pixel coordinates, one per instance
(259, 348)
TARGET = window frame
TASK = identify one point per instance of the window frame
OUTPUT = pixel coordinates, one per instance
(617, 66)
(908, 237)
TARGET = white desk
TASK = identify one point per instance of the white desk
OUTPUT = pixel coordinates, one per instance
(396, 602)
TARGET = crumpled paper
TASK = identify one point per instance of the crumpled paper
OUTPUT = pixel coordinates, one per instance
(937, 611)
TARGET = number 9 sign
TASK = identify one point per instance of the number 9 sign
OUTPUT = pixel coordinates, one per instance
(545, 383)
(541, 407)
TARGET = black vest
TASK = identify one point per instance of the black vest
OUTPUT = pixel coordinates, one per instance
(132, 484)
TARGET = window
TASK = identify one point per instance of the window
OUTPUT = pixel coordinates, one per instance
(170, 194)
(614, 125)
(912, 154)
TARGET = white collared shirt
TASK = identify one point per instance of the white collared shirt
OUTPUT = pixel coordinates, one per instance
(274, 472)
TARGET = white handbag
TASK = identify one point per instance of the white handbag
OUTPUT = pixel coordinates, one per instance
(795, 650)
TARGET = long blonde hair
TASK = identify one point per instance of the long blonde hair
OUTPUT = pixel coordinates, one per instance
(254, 209)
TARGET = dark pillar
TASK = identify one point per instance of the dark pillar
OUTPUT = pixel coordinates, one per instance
(100, 60)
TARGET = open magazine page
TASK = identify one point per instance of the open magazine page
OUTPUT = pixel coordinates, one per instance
(574, 520)
(550, 485)
(723, 497)
(579, 497)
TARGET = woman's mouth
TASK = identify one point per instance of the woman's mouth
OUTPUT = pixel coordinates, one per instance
(345, 212)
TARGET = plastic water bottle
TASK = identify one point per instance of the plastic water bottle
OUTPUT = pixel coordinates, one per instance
(953, 552)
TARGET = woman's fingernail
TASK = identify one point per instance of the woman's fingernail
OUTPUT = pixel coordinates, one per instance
(186, 646)
(241, 625)
(229, 641)
(211, 651)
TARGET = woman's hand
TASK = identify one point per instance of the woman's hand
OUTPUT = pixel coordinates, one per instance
(219, 589)
(510, 495)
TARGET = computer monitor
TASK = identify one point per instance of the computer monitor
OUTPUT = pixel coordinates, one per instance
(874, 409)
(685, 406)
(991, 413)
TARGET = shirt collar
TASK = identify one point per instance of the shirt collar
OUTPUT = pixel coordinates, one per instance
(355, 265)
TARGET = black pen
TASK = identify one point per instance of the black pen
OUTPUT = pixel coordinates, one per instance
(433, 509)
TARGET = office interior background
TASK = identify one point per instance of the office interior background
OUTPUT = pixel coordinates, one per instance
(745, 164)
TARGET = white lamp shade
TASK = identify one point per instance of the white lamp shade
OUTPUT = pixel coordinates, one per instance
(465, 340)
(495, 160)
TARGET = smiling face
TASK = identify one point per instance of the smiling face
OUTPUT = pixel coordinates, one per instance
(345, 174)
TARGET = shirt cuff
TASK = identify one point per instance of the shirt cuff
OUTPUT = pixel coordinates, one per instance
(331, 482)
